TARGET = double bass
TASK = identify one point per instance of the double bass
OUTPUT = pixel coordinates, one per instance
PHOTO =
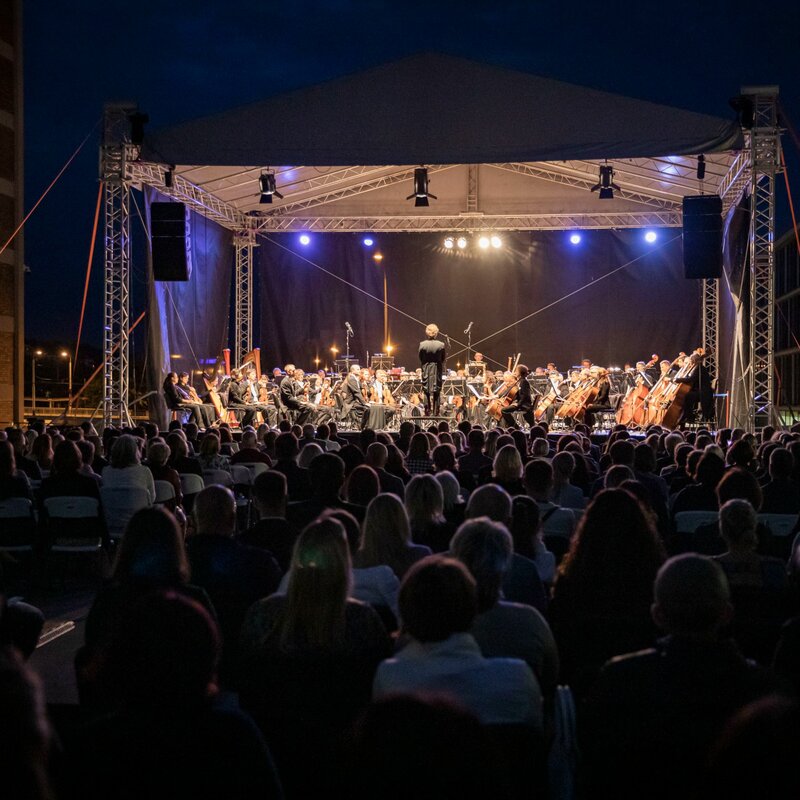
(505, 395)
(670, 406)
(551, 397)
(584, 394)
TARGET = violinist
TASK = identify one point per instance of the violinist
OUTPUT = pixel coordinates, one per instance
(380, 391)
(250, 394)
(521, 399)
(601, 400)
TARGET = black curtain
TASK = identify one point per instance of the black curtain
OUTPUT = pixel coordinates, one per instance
(643, 308)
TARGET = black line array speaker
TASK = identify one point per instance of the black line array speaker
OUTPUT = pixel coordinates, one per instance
(169, 236)
(702, 236)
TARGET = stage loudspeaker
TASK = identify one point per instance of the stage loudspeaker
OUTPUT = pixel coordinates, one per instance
(169, 236)
(702, 236)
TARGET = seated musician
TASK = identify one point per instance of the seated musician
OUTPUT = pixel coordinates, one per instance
(522, 401)
(188, 396)
(175, 401)
(291, 395)
(700, 390)
(477, 367)
(252, 399)
(381, 393)
(601, 402)
(354, 400)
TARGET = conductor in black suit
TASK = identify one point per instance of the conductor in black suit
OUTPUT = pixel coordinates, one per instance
(431, 357)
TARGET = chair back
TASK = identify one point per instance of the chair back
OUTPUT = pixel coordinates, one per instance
(220, 476)
(165, 491)
(690, 521)
(74, 523)
(241, 475)
(119, 505)
(779, 525)
(191, 483)
(17, 524)
(255, 467)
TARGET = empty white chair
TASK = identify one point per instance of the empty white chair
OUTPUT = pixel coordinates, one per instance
(119, 505)
(74, 523)
(191, 483)
(219, 476)
(780, 525)
(690, 521)
(17, 524)
(255, 467)
(242, 476)
(165, 492)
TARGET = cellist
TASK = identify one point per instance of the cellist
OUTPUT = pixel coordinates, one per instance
(521, 399)
(600, 402)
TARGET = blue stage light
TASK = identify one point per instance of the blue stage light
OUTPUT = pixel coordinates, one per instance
(650, 237)
(368, 242)
(305, 239)
(575, 238)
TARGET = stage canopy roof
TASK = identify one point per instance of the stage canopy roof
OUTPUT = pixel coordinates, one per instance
(504, 150)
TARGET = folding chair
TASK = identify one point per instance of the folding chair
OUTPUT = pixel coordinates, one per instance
(119, 505)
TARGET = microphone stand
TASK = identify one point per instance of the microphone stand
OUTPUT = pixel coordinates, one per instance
(347, 335)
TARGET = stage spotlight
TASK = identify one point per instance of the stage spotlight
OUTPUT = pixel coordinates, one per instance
(448, 242)
(701, 167)
(606, 183)
(461, 242)
(368, 242)
(575, 238)
(496, 242)
(268, 188)
(421, 192)
(650, 237)
(484, 243)
(305, 239)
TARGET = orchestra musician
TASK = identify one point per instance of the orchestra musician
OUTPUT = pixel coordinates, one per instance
(522, 400)
(189, 395)
(700, 391)
(600, 402)
(354, 401)
(250, 392)
(431, 356)
(291, 394)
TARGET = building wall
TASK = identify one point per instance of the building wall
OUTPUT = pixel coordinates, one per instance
(11, 211)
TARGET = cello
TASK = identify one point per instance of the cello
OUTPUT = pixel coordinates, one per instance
(505, 395)
(574, 405)
(672, 401)
(633, 404)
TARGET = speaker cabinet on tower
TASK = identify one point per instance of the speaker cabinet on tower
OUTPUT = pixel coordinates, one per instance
(169, 236)
(702, 236)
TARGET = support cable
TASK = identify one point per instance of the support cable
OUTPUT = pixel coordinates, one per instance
(89, 268)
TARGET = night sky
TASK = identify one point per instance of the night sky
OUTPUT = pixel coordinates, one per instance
(181, 60)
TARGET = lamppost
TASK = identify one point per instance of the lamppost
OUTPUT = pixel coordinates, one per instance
(378, 258)
(33, 378)
(65, 354)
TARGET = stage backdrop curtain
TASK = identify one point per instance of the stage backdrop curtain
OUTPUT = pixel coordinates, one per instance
(188, 325)
(647, 307)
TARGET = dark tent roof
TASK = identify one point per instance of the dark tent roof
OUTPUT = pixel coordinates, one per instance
(436, 109)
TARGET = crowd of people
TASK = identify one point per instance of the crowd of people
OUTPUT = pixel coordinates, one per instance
(393, 614)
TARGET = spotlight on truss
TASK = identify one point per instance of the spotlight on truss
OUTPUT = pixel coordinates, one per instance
(421, 193)
(267, 187)
(448, 242)
(606, 183)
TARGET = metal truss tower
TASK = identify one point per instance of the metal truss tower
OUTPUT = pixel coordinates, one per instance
(711, 326)
(115, 152)
(244, 243)
(764, 147)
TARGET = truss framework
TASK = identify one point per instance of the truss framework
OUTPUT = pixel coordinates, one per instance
(116, 152)
(764, 149)
(244, 244)
(710, 291)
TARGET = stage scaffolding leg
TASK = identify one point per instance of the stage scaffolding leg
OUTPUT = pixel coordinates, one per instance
(244, 243)
(710, 326)
(115, 152)
(764, 146)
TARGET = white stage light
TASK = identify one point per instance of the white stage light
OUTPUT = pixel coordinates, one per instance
(484, 242)
(461, 242)
(650, 237)
(368, 242)
(497, 242)
(305, 239)
(448, 243)
(575, 238)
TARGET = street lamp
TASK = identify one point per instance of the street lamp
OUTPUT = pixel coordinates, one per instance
(65, 354)
(378, 258)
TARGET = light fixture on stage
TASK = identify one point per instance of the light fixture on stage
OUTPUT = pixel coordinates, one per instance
(378, 257)
(575, 238)
(305, 239)
(496, 242)
(701, 167)
(462, 243)
(368, 241)
(484, 243)
(448, 243)
(421, 192)
(650, 237)
(168, 177)
(268, 187)
(606, 183)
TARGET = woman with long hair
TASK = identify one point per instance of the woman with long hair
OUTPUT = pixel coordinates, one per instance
(418, 460)
(425, 506)
(13, 482)
(507, 470)
(604, 587)
(308, 657)
(386, 537)
(42, 453)
(210, 456)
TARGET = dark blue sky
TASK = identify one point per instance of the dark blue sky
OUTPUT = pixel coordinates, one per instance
(181, 60)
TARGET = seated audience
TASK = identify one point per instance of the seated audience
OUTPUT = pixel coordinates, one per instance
(507, 470)
(248, 452)
(13, 482)
(125, 470)
(554, 520)
(781, 493)
(158, 453)
(425, 506)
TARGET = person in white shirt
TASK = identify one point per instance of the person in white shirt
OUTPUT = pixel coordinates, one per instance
(125, 470)
(437, 609)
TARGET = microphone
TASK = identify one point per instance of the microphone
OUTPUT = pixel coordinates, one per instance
(448, 341)
(349, 328)
(469, 328)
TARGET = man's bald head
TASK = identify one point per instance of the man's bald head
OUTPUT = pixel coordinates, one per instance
(692, 596)
(215, 511)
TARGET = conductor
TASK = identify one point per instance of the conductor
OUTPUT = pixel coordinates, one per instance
(431, 357)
